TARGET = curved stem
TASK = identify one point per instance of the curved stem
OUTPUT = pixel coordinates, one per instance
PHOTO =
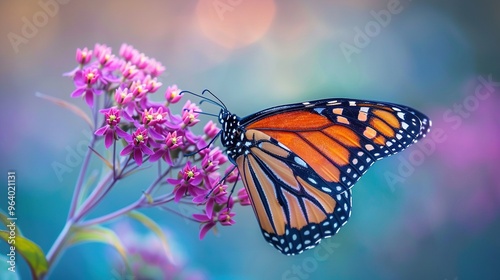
(95, 197)
(110, 216)
(99, 192)
(179, 214)
(79, 182)
(58, 244)
(137, 204)
(162, 199)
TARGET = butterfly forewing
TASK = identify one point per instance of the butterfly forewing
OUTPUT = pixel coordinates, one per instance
(340, 139)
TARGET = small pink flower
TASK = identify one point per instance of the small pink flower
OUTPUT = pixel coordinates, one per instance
(126, 51)
(129, 71)
(187, 182)
(243, 197)
(172, 95)
(138, 145)
(155, 68)
(211, 129)
(189, 118)
(123, 96)
(226, 217)
(87, 77)
(191, 175)
(140, 60)
(212, 160)
(173, 141)
(83, 56)
(138, 89)
(111, 130)
(208, 164)
(85, 80)
(154, 117)
(233, 176)
(104, 55)
(190, 114)
(218, 156)
(212, 196)
(100, 49)
(152, 84)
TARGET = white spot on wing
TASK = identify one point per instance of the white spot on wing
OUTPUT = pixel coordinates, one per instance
(283, 146)
(326, 189)
(300, 162)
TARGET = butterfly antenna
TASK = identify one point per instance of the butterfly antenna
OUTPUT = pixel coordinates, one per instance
(203, 113)
(204, 98)
(211, 102)
(215, 96)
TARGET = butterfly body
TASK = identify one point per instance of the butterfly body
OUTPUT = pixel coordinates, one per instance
(298, 162)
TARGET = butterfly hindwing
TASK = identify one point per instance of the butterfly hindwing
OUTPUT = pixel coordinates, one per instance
(294, 212)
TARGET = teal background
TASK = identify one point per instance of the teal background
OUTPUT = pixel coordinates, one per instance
(422, 214)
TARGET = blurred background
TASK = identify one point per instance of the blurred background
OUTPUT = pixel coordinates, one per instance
(431, 212)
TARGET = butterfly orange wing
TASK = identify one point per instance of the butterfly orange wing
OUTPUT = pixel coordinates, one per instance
(298, 162)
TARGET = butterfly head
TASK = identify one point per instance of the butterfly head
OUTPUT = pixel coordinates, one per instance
(231, 129)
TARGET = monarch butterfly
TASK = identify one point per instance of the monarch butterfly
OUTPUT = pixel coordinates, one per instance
(298, 162)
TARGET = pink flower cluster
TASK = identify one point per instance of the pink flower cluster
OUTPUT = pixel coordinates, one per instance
(119, 87)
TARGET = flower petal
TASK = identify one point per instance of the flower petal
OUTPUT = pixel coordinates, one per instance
(174, 181)
(210, 207)
(157, 155)
(201, 218)
(138, 156)
(200, 199)
(145, 149)
(196, 180)
(205, 229)
(109, 138)
(127, 150)
(179, 193)
(123, 134)
(101, 131)
(89, 97)
(78, 92)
